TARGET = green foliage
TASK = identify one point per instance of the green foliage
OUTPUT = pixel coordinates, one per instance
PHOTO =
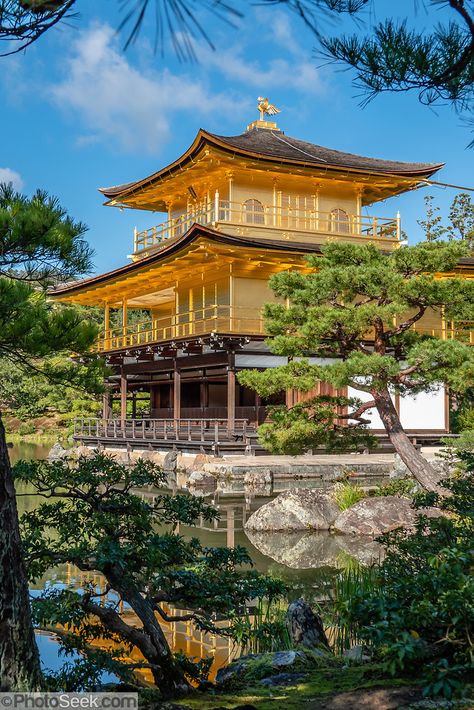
(356, 293)
(421, 616)
(466, 419)
(436, 63)
(460, 225)
(41, 244)
(28, 397)
(262, 628)
(343, 631)
(346, 494)
(309, 424)
(464, 443)
(93, 519)
(404, 487)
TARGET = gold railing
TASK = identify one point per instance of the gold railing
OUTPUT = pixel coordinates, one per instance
(459, 330)
(215, 318)
(233, 320)
(276, 218)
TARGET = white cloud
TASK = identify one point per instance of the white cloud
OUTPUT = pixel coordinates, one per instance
(291, 73)
(132, 107)
(8, 175)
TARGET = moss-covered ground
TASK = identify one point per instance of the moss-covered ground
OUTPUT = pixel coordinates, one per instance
(319, 684)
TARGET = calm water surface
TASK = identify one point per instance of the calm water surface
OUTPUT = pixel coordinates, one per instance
(306, 561)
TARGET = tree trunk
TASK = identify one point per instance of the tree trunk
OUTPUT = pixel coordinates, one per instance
(167, 675)
(19, 658)
(411, 457)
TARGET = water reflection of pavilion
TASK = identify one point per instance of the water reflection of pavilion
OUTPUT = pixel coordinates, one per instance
(181, 635)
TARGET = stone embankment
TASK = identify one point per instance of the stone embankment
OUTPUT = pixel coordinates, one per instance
(263, 470)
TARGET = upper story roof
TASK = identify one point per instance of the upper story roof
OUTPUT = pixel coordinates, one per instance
(274, 147)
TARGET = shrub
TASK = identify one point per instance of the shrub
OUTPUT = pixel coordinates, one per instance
(466, 419)
(402, 487)
(421, 617)
(347, 494)
(26, 428)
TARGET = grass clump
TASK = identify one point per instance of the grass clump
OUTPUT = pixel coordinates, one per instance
(402, 487)
(346, 494)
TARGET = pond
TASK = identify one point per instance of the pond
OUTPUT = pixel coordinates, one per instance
(305, 561)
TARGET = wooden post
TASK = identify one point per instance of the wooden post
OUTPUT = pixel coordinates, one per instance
(106, 408)
(134, 405)
(106, 326)
(124, 322)
(231, 392)
(123, 399)
(176, 394)
(204, 396)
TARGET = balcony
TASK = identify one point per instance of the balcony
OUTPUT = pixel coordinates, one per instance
(270, 222)
(233, 320)
(211, 319)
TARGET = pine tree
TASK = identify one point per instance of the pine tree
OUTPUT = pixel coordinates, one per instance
(356, 311)
(39, 243)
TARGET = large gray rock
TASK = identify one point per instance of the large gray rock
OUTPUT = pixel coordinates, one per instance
(200, 460)
(304, 626)
(170, 463)
(377, 515)
(57, 452)
(300, 509)
(201, 478)
(258, 478)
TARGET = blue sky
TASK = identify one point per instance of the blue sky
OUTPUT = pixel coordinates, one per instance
(77, 113)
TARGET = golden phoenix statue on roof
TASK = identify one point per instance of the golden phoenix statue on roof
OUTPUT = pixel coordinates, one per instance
(264, 106)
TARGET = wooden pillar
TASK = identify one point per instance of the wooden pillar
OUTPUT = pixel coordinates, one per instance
(106, 405)
(124, 322)
(106, 324)
(204, 394)
(231, 391)
(176, 393)
(123, 395)
(258, 404)
(134, 405)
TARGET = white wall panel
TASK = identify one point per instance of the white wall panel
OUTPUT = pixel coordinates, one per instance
(423, 411)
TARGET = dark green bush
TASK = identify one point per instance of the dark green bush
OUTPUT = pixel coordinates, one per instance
(421, 616)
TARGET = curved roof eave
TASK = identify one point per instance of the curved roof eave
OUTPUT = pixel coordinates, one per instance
(204, 137)
(193, 233)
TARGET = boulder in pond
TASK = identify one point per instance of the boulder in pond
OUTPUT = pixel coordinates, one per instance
(170, 463)
(299, 509)
(258, 478)
(378, 515)
(201, 460)
(57, 452)
(201, 478)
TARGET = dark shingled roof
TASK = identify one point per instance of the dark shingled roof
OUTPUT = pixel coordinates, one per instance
(275, 145)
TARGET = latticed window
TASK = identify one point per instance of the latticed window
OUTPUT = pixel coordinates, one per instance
(339, 221)
(253, 212)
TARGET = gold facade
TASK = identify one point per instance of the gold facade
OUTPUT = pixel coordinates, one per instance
(189, 282)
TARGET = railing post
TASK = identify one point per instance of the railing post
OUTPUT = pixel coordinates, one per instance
(399, 226)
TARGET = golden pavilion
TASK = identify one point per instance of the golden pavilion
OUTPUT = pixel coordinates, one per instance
(184, 315)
